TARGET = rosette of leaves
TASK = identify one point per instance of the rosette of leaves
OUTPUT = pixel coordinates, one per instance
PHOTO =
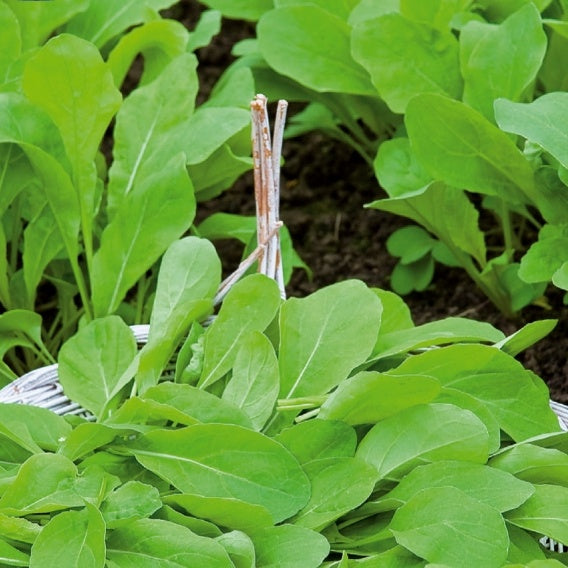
(322, 431)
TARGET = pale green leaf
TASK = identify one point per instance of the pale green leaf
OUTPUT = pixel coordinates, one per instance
(407, 58)
(132, 501)
(431, 432)
(70, 539)
(436, 13)
(321, 61)
(218, 460)
(12, 556)
(241, 9)
(448, 527)
(527, 336)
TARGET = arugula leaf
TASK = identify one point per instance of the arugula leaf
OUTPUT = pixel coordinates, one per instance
(132, 501)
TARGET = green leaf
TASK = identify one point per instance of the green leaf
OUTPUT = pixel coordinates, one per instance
(289, 546)
(43, 484)
(325, 336)
(368, 397)
(92, 362)
(544, 513)
(239, 547)
(528, 335)
(255, 380)
(72, 538)
(22, 323)
(18, 529)
(448, 527)
(101, 21)
(436, 13)
(431, 432)
(410, 244)
(208, 26)
(456, 144)
(33, 428)
(491, 68)
(320, 61)
(39, 19)
(533, 463)
(485, 484)
(145, 135)
(241, 9)
(159, 41)
(319, 439)
(12, 556)
(416, 275)
(396, 314)
(150, 218)
(515, 397)
(224, 511)
(406, 58)
(397, 169)
(500, 9)
(85, 438)
(69, 80)
(189, 276)
(132, 501)
(250, 306)
(331, 496)
(444, 211)
(198, 404)
(218, 460)
(10, 41)
(151, 543)
(445, 331)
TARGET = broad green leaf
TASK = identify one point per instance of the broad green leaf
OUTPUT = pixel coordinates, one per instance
(491, 68)
(339, 485)
(319, 439)
(198, 526)
(370, 9)
(189, 276)
(72, 538)
(151, 543)
(101, 21)
(515, 397)
(94, 484)
(218, 460)
(546, 256)
(85, 438)
(241, 9)
(228, 225)
(92, 361)
(208, 26)
(397, 169)
(416, 275)
(485, 484)
(224, 511)
(235, 88)
(533, 463)
(38, 20)
(69, 80)
(144, 137)
(250, 306)
(542, 121)
(444, 211)
(12, 556)
(523, 547)
(528, 335)
(446, 526)
(159, 41)
(129, 502)
(18, 529)
(406, 58)
(319, 61)
(445, 331)
(199, 404)
(410, 243)
(33, 428)
(544, 513)
(436, 13)
(10, 40)
(499, 9)
(340, 8)
(396, 314)
(289, 546)
(149, 219)
(456, 144)
(22, 322)
(255, 380)
(325, 336)
(432, 432)
(239, 547)
(369, 397)
(43, 484)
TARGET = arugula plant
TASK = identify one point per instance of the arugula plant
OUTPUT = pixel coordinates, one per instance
(412, 85)
(323, 431)
(83, 224)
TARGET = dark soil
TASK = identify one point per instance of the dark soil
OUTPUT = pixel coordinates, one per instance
(324, 187)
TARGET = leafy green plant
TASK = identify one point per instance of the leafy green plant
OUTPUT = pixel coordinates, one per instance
(323, 431)
(83, 224)
(412, 85)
